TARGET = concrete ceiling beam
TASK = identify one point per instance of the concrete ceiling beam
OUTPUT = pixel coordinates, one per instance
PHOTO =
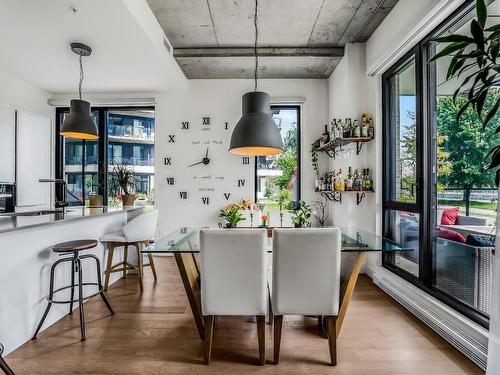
(262, 51)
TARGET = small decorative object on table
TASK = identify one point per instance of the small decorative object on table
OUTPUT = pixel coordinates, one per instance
(301, 214)
(264, 221)
(232, 215)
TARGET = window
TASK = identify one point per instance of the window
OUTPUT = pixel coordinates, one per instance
(126, 137)
(277, 177)
(437, 199)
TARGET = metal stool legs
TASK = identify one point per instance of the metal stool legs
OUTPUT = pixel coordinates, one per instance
(76, 267)
(3, 365)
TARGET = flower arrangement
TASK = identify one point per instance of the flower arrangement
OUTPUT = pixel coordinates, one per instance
(264, 219)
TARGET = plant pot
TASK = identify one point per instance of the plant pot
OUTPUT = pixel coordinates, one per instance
(128, 200)
(299, 225)
(228, 226)
(96, 200)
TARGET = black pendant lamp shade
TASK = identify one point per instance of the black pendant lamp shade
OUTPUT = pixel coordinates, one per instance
(256, 134)
(79, 122)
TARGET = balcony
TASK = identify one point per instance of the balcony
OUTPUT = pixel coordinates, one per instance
(143, 162)
(131, 134)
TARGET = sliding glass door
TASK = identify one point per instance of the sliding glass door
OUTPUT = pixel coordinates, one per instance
(438, 199)
(402, 196)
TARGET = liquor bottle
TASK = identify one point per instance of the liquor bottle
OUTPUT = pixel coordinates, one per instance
(368, 181)
(364, 127)
(348, 181)
(324, 136)
(348, 128)
(338, 181)
(340, 130)
(356, 131)
(357, 180)
(371, 129)
(342, 181)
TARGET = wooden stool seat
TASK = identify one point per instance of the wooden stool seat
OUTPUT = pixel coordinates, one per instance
(72, 246)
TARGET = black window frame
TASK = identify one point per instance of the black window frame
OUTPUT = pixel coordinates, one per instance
(425, 129)
(102, 148)
(298, 108)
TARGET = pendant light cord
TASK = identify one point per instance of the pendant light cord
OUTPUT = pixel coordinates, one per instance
(255, 20)
(82, 76)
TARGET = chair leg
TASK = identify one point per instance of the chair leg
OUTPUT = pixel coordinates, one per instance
(261, 333)
(140, 270)
(99, 282)
(125, 261)
(278, 325)
(3, 365)
(80, 303)
(72, 288)
(332, 338)
(109, 265)
(152, 264)
(207, 342)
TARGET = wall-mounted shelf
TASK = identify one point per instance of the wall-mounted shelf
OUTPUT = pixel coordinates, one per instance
(336, 196)
(331, 147)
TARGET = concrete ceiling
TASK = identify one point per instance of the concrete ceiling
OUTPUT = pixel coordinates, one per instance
(305, 37)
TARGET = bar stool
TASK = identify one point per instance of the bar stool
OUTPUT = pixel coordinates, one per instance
(73, 248)
(3, 365)
(137, 232)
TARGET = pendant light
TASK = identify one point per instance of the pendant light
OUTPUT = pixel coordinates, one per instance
(256, 133)
(79, 122)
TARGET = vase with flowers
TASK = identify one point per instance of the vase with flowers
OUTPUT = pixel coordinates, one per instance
(232, 215)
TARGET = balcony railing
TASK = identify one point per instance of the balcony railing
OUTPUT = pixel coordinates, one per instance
(132, 161)
(77, 160)
(136, 132)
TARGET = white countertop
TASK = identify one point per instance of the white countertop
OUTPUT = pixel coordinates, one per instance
(17, 221)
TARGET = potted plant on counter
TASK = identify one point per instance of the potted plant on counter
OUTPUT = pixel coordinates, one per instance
(122, 183)
(301, 215)
(232, 215)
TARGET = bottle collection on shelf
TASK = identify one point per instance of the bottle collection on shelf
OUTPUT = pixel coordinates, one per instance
(348, 129)
(333, 181)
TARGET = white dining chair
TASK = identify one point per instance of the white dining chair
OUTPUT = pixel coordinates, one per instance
(233, 266)
(306, 279)
(137, 232)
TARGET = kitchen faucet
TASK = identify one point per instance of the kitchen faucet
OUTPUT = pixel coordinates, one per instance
(58, 204)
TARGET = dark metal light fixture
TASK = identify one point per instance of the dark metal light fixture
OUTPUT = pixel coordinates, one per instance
(256, 133)
(79, 122)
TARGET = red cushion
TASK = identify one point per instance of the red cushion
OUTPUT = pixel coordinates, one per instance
(451, 235)
(450, 216)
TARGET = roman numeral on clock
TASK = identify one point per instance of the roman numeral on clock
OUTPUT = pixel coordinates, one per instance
(241, 183)
(227, 195)
(205, 200)
(206, 120)
(167, 161)
(183, 194)
(171, 138)
(170, 180)
(185, 125)
(246, 160)
(227, 125)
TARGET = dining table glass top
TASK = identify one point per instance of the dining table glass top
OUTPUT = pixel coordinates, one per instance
(187, 240)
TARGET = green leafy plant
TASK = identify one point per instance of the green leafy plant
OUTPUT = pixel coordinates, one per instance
(475, 57)
(314, 156)
(122, 179)
(232, 215)
(284, 197)
(301, 214)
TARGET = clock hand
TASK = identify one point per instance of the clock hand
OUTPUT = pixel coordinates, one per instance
(192, 165)
(206, 155)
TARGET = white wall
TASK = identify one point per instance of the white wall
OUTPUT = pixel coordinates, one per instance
(221, 100)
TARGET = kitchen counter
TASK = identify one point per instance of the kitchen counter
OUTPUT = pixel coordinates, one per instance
(25, 220)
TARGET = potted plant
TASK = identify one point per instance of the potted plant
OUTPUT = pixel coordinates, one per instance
(301, 214)
(122, 183)
(232, 215)
(474, 59)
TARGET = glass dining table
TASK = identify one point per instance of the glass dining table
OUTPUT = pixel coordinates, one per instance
(184, 244)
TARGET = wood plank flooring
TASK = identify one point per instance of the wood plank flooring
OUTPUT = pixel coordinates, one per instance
(154, 333)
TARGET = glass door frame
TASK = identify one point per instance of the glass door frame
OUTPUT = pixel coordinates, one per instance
(425, 189)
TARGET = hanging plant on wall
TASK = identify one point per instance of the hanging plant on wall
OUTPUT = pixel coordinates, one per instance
(314, 156)
(474, 61)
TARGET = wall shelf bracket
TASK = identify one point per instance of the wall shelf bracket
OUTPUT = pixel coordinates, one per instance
(359, 197)
(334, 196)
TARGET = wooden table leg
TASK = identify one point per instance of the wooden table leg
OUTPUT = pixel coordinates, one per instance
(188, 269)
(349, 272)
(349, 276)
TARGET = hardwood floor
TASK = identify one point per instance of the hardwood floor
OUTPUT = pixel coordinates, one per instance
(154, 333)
